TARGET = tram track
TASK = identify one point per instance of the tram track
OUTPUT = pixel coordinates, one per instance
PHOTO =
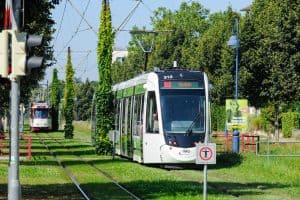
(89, 163)
(67, 172)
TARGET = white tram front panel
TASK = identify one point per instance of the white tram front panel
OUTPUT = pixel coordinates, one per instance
(174, 107)
(181, 104)
(40, 119)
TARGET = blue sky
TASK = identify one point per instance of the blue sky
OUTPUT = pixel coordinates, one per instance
(81, 36)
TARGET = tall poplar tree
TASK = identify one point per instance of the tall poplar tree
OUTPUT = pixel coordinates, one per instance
(104, 116)
(69, 98)
(55, 99)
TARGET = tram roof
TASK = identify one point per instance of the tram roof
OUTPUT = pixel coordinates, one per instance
(39, 105)
(142, 78)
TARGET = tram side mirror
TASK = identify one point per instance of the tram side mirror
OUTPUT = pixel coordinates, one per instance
(210, 86)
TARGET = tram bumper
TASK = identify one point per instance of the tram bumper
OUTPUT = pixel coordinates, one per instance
(170, 154)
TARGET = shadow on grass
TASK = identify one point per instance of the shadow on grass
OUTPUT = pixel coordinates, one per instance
(51, 191)
(45, 161)
(226, 160)
(223, 161)
(41, 146)
(65, 152)
(164, 189)
(171, 189)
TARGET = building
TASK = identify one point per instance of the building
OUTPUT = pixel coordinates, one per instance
(119, 55)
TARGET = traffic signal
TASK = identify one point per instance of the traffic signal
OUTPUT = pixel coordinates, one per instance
(22, 61)
(4, 53)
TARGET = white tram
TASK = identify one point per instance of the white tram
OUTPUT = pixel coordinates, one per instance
(160, 116)
(40, 118)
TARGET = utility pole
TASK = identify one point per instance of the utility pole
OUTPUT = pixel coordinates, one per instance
(146, 50)
(13, 8)
(14, 51)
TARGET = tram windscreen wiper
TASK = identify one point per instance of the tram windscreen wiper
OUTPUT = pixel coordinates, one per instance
(189, 131)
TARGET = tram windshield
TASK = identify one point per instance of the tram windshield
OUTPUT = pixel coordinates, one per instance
(41, 113)
(183, 111)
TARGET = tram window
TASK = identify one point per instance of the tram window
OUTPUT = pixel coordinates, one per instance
(152, 120)
(134, 115)
(137, 115)
(183, 110)
(117, 114)
(129, 115)
(41, 114)
(123, 116)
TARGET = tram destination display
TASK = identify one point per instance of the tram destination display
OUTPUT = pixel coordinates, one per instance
(174, 84)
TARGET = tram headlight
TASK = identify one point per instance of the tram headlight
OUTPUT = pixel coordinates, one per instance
(172, 141)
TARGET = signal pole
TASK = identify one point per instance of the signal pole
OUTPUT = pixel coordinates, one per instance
(13, 9)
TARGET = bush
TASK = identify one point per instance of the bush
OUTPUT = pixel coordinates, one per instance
(268, 118)
(255, 123)
(289, 121)
(104, 146)
(297, 120)
(218, 117)
(69, 131)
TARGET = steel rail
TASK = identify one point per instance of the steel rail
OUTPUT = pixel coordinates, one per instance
(67, 172)
(102, 172)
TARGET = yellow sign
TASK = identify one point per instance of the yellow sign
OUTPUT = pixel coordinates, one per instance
(237, 112)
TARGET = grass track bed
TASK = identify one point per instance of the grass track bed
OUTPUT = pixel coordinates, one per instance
(90, 179)
(246, 177)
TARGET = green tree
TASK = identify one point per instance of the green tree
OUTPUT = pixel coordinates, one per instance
(177, 40)
(69, 98)
(84, 96)
(216, 58)
(37, 21)
(55, 100)
(271, 55)
(183, 30)
(104, 96)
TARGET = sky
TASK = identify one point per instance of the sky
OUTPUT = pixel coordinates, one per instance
(77, 23)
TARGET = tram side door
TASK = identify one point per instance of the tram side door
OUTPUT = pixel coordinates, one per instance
(151, 140)
(137, 125)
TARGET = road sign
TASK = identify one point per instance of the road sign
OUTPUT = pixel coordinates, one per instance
(206, 153)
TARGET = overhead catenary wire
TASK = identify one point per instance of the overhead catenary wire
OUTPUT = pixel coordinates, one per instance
(80, 62)
(79, 51)
(61, 21)
(82, 16)
(77, 29)
(127, 18)
(86, 66)
(90, 27)
(151, 11)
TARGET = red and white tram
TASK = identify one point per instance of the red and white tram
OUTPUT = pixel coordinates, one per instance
(40, 118)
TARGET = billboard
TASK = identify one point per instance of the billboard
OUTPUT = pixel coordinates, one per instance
(237, 112)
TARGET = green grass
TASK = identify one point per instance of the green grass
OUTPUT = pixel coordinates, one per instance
(233, 177)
